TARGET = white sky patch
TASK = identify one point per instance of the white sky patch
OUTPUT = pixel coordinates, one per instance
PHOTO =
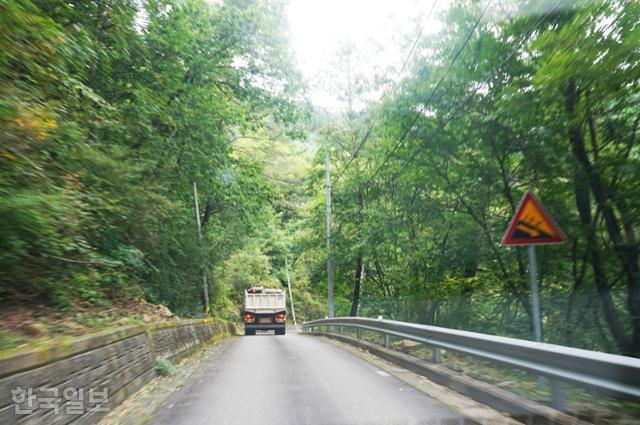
(383, 28)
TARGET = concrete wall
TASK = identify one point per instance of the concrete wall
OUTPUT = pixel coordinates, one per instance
(51, 379)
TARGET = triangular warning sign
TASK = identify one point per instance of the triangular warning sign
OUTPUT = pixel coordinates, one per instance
(532, 225)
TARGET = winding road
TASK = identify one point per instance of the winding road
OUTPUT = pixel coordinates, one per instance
(294, 380)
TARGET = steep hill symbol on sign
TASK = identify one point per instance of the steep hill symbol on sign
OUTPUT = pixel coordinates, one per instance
(532, 225)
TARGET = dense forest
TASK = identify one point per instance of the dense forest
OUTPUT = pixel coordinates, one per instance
(508, 97)
(112, 112)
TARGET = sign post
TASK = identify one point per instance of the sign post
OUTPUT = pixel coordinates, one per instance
(535, 294)
(532, 225)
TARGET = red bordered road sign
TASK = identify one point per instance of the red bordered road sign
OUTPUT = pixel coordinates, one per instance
(532, 225)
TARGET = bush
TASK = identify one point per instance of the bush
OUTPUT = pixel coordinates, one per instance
(164, 367)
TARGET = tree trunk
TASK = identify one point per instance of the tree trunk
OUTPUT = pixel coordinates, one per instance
(578, 279)
(584, 178)
(356, 287)
(208, 210)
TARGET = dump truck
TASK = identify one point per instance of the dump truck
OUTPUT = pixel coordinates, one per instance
(265, 309)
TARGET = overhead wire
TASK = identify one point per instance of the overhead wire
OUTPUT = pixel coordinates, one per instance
(464, 103)
(465, 100)
(393, 86)
(535, 27)
(455, 57)
(432, 93)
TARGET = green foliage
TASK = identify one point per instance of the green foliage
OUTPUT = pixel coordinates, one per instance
(542, 99)
(245, 269)
(164, 367)
(110, 111)
(8, 340)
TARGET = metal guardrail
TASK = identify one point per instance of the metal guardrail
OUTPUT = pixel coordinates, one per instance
(611, 374)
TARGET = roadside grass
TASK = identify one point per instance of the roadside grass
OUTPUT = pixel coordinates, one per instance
(8, 340)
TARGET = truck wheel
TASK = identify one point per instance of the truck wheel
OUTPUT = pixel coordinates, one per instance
(280, 331)
(249, 332)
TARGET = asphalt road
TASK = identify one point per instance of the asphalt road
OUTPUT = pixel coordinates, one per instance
(296, 379)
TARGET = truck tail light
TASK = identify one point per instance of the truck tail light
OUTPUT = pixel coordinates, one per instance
(280, 317)
(249, 317)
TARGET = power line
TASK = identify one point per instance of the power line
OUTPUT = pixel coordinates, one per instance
(535, 27)
(514, 51)
(464, 102)
(432, 94)
(393, 87)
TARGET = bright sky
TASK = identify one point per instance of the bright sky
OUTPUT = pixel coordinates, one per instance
(318, 26)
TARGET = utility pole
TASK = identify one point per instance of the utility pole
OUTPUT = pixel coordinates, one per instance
(293, 310)
(329, 253)
(205, 289)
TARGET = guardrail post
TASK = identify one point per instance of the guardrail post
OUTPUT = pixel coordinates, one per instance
(358, 333)
(557, 390)
(437, 355)
(387, 341)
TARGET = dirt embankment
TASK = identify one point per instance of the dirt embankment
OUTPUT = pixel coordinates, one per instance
(22, 326)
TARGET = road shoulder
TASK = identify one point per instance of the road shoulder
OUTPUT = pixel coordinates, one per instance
(463, 405)
(140, 407)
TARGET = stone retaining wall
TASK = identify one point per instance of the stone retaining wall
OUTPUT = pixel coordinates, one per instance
(66, 383)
